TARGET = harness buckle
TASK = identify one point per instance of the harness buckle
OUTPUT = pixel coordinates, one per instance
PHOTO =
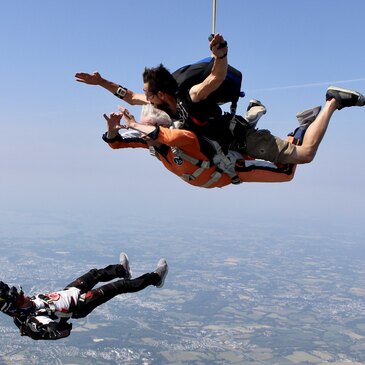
(152, 151)
(205, 164)
(187, 177)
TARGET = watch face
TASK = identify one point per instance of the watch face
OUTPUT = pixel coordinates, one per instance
(121, 91)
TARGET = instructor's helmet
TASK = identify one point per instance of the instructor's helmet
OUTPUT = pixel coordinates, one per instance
(8, 299)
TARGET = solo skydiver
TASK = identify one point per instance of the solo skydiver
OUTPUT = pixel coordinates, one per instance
(45, 316)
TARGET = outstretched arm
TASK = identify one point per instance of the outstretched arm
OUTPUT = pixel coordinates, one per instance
(219, 50)
(170, 137)
(128, 96)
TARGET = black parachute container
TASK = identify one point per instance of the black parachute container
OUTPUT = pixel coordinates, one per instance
(229, 91)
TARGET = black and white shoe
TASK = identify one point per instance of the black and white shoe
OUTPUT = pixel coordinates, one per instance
(162, 270)
(344, 97)
(306, 117)
(123, 260)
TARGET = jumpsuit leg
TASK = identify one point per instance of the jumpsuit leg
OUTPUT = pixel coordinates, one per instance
(95, 297)
(87, 281)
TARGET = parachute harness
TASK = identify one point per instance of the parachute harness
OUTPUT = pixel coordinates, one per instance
(50, 308)
(222, 163)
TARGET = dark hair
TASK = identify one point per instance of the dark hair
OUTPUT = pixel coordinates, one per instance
(160, 79)
(4, 290)
(8, 298)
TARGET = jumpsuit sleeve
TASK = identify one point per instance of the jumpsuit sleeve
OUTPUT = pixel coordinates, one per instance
(167, 136)
(128, 141)
(44, 328)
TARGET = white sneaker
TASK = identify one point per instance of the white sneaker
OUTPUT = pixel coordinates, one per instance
(162, 270)
(255, 111)
(123, 259)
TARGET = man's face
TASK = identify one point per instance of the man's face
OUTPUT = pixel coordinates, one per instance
(151, 96)
(160, 99)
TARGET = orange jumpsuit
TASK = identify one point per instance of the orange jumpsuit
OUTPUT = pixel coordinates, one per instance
(164, 139)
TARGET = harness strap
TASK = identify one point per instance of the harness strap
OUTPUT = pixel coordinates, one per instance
(233, 107)
(202, 165)
(50, 307)
(238, 120)
(220, 160)
(5, 307)
(153, 151)
(224, 163)
(232, 125)
(213, 178)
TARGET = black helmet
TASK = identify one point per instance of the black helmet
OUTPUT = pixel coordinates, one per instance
(8, 297)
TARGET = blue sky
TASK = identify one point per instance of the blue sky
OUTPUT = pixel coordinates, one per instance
(52, 155)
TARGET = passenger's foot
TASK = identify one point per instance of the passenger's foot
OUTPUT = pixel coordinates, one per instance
(344, 97)
(162, 270)
(306, 117)
(255, 111)
(123, 259)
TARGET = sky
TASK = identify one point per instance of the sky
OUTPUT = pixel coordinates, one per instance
(54, 161)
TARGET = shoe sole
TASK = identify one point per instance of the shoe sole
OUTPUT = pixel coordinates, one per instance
(347, 91)
(163, 277)
(255, 102)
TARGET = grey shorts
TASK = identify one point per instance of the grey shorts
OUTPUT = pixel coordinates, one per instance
(263, 145)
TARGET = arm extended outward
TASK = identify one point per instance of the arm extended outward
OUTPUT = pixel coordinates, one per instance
(121, 92)
(170, 137)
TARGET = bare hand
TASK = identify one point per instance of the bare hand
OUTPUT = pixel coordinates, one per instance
(113, 121)
(129, 118)
(90, 79)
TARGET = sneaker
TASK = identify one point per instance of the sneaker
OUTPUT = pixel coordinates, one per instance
(162, 270)
(344, 97)
(308, 116)
(255, 111)
(123, 259)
